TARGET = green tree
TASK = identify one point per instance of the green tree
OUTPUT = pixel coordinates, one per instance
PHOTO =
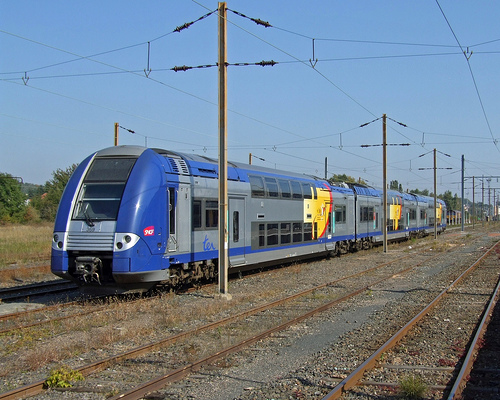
(450, 201)
(336, 178)
(395, 185)
(47, 203)
(424, 192)
(12, 200)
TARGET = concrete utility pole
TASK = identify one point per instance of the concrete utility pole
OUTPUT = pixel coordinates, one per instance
(463, 177)
(116, 133)
(435, 197)
(473, 202)
(223, 198)
(384, 161)
(482, 200)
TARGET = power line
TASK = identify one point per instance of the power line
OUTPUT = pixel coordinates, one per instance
(495, 141)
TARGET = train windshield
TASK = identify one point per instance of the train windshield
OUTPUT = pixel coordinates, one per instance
(102, 189)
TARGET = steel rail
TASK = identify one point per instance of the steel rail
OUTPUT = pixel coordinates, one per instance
(38, 289)
(355, 376)
(36, 387)
(461, 379)
(173, 376)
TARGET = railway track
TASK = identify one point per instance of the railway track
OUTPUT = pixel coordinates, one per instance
(406, 344)
(23, 293)
(279, 315)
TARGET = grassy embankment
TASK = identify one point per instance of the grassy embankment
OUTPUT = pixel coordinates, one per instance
(24, 251)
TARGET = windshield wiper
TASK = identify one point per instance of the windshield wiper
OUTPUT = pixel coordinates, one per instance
(88, 220)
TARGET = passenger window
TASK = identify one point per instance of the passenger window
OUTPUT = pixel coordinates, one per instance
(286, 193)
(211, 214)
(196, 214)
(297, 232)
(257, 185)
(236, 226)
(340, 215)
(285, 233)
(262, 235)
(272, 188)
(307, 190)
(272, 234)
(296, 190)
(307, 232)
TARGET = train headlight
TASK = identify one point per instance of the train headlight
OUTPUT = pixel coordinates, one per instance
(125, 241)
(58, 240)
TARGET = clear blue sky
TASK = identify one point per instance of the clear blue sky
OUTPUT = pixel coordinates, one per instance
(70, 70)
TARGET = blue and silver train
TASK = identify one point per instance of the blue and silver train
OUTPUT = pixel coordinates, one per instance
(131, 218)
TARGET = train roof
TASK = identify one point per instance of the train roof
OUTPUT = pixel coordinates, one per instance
(208, 167)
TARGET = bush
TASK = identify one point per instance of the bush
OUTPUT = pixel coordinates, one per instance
(62, 377)
(412, 387)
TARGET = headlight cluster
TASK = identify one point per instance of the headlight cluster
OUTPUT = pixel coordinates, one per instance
(124, 241)
(58, 241)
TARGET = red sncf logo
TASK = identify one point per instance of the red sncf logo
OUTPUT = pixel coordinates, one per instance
(149, 231)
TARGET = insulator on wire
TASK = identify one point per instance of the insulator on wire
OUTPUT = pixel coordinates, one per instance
(263, 63)
(182, 68)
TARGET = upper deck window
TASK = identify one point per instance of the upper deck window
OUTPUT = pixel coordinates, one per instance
(257, 186)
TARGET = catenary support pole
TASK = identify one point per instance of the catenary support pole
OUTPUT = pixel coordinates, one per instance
(384, 161)
(463, 183)
(117, 125)
(435, 197)
(223, 197)
(473, 202)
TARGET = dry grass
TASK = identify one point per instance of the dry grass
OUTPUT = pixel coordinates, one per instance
(25, 244)
(25, 253)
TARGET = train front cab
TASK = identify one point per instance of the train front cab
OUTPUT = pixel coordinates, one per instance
(110, 230)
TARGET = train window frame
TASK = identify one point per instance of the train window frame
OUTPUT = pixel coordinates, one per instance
(308, 190)
(236, 226)
(272, 234)
(307, 231)
(211, 214)
(297, 236)
(110, 169)
(296, 190)
(285, 233)
(285, 189)
(257, 186)
(103, 202)
(272, 188)
(208, 214)
(171, 209)
(102, 189)
(197, 215)
(340, 211)
(262, 235)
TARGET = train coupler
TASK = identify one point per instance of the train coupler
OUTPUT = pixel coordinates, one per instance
(88, 269)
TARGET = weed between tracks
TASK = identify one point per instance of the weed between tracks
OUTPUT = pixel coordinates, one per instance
(412, 387)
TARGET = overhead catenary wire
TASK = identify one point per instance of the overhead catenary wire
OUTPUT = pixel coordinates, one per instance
(495, 141)
(125, 71)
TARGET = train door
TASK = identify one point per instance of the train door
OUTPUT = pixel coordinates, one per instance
(179, 218)
(172, 219)
(236, 226)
